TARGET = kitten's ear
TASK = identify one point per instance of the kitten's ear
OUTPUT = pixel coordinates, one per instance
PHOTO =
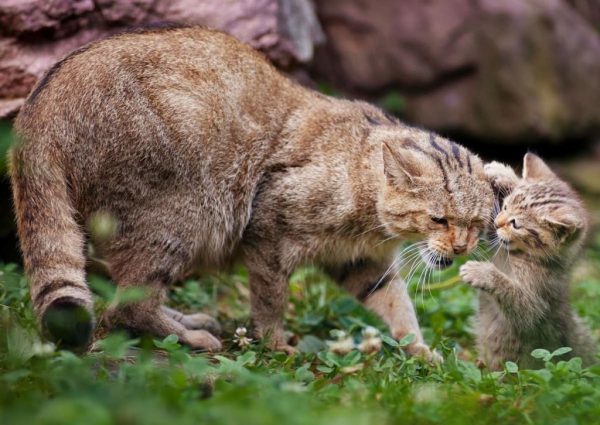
(400, 166)
(536, 169)
(564, 224)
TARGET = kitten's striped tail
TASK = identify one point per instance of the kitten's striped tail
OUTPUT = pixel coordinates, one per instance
(52, 244)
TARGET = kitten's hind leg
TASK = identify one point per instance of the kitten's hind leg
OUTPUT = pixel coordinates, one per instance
(194, 320)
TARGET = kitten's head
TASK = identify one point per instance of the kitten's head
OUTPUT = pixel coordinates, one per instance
(435, 191)
(542, 215)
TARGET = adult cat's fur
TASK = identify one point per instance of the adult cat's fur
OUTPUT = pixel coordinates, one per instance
(524, 297)
(204, 154)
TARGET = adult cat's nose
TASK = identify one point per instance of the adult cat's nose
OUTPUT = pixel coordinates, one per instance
(459, 248)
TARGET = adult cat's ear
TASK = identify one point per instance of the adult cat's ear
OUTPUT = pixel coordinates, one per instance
(536, 169)
(400, 166)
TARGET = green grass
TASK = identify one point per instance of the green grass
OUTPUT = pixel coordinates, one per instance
(151, 381)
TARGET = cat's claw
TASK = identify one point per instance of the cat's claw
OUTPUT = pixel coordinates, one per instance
(477, 274)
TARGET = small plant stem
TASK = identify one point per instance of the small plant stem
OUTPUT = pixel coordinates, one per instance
(447, 284)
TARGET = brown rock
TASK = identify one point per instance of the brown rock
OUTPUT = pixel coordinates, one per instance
(37, 33)
(589, 9)
(508, 70)
(408, 43)
(27, 16)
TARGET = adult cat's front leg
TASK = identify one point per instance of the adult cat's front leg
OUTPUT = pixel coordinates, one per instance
(377, 286)
(268, 295)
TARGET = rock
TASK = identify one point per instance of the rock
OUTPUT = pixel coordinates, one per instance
(583, 172)
(30, 16)
(22, 63)
(508, 71)
(34, 34)
(589, 9)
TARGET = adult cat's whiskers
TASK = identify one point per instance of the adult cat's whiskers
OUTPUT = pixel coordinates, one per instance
(393, 264)
(415, 262)
(385, 240)
(398, 259)
(429, 256)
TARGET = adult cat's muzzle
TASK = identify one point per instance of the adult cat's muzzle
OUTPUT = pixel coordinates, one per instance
(443, 262)
(436, 260)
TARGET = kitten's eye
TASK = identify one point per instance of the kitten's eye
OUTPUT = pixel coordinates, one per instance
(504, 207)
(514, 224)
(440, 220)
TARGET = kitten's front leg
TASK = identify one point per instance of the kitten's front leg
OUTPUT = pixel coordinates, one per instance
(520, 302)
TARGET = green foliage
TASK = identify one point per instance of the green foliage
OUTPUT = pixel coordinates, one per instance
(6, 139)
(128, 382)
(393, 102)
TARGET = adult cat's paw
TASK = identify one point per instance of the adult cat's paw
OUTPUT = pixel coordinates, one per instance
(478, 274)
(500, 176)
(420, 350)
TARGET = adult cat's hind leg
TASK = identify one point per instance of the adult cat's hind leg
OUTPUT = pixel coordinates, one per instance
(147, 316)
(153, 274)
(194, 320)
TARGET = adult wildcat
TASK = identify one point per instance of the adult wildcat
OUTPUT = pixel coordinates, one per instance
(524, 297)
(204, 154)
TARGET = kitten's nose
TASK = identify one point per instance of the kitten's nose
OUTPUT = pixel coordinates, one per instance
(460, 249)
(500, 220)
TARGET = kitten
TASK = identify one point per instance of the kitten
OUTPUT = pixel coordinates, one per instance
(203, 154)
(524, 295)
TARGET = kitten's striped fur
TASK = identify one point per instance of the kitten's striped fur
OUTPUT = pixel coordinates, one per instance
(524, 298)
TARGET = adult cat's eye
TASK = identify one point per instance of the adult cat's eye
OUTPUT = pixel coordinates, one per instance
(514, 224)
(439, 220)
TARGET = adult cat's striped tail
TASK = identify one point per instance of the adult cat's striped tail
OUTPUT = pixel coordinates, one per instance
(52, 244)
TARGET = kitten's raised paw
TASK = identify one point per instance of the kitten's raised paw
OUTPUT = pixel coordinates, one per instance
(477, 274)
(201, 340)
(499, 175)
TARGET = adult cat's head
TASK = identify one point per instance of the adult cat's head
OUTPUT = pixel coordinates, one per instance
(434, 190)
(542, 214)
